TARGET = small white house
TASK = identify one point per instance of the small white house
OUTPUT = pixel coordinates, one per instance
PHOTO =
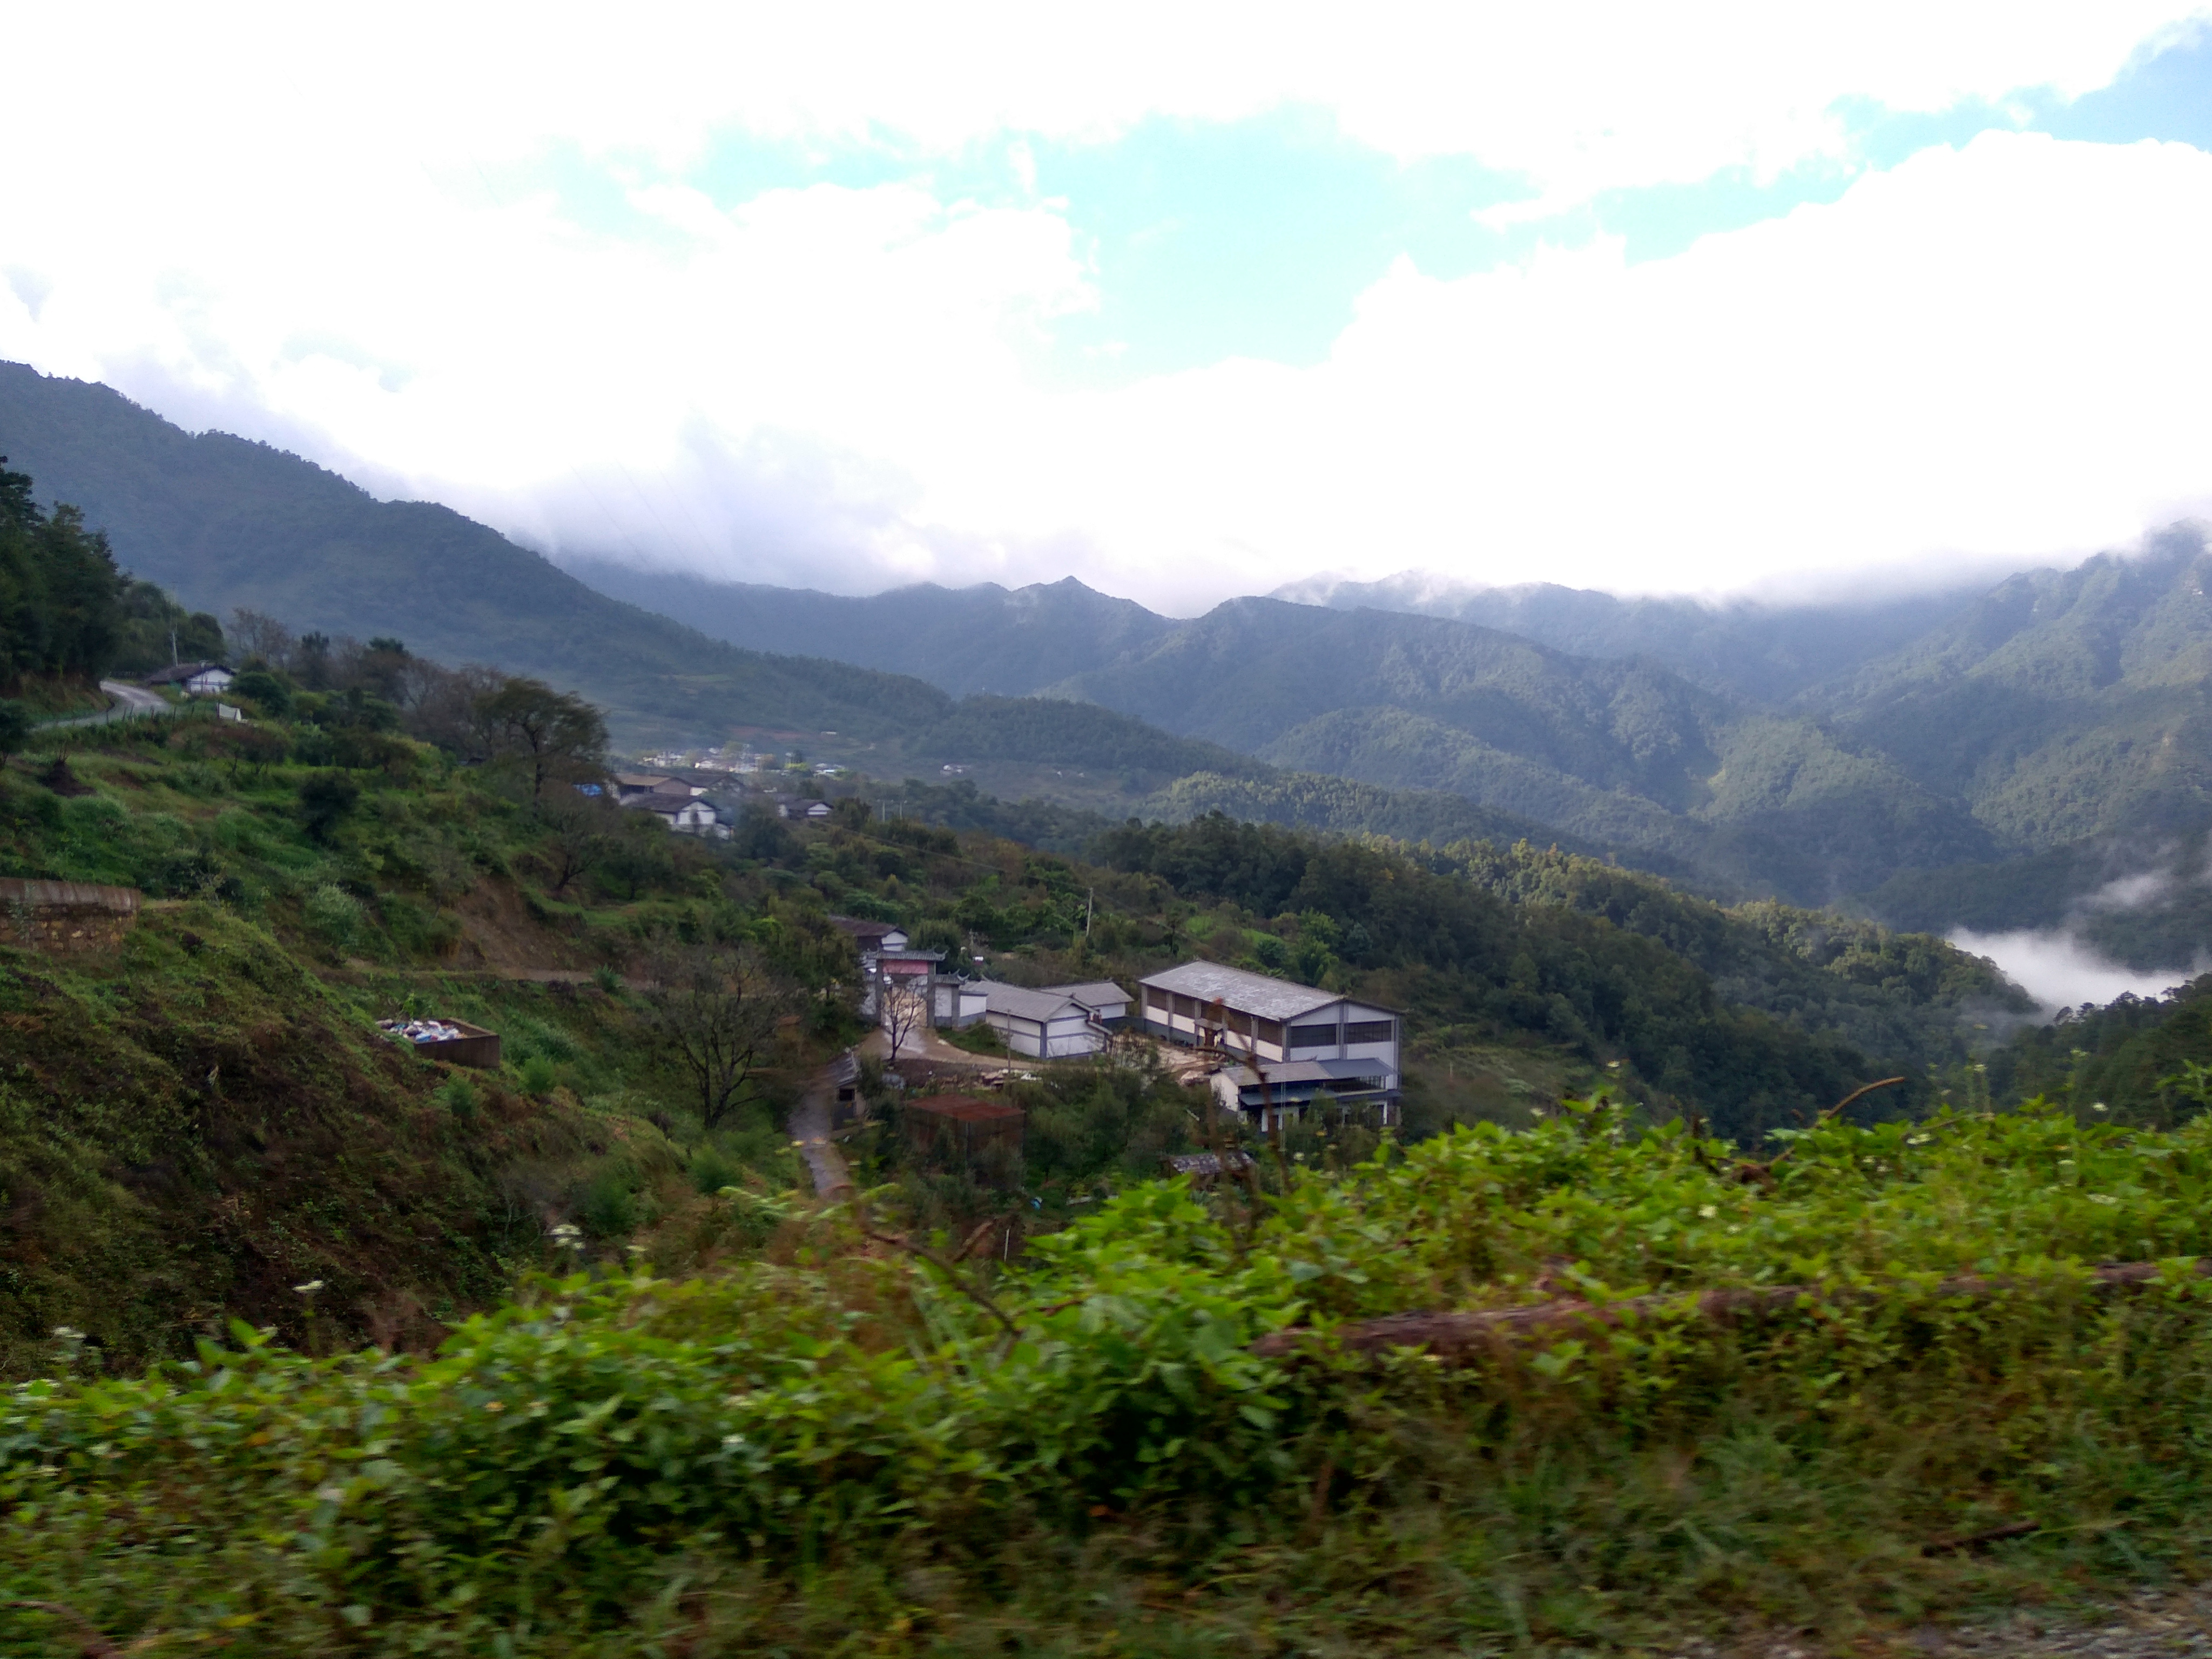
(1047, 1024)
(194, 679)
(696, 817)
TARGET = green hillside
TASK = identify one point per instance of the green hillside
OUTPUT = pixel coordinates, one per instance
(1620, 754)
(225, 524)
(195, 1124)
(1253, 670)
(2055, 730)
(1619, 1338)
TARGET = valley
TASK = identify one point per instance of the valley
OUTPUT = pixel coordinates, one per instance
(346, 1340)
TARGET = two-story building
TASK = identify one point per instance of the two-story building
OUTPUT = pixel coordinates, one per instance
(1281, 1044)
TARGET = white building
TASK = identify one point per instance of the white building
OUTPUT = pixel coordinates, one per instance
(696, 817)
(1283, 1044)
(194, 679)
(1106, 1002)
(1048, 1024)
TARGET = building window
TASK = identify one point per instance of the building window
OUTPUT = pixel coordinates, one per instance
(1267, 1031)
(1313, 1037)
(1370, 1031)
(1184, 1007)
(1156, 999)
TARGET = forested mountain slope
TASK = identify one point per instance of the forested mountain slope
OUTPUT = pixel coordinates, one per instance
(980, 639)
(2064, 703)
(1768, 652)
(1254, 674)
(224, 523)
(2059, 711)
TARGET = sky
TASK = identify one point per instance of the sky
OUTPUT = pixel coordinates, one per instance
(1184, 300)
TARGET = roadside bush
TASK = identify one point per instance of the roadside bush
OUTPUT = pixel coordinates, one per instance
(570, 1468)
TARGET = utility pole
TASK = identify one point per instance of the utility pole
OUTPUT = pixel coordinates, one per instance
(1089, 901)
(173, 658)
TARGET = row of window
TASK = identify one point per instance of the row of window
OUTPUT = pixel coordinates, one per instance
(1267, 1031)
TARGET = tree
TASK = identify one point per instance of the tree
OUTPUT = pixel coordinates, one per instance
(15, 728)
(261, 637)
(60, 593)
(325, 800)
(904, 1010)
(580, 833)
(549, 736)
(714, 1008)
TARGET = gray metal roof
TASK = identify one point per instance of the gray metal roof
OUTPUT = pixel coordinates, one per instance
(1025, 1003)
(1247, 992)
(1093, 993)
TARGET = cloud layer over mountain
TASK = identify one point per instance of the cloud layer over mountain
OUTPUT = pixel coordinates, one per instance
(514, 265)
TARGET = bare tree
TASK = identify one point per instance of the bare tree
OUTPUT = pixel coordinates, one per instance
(905, 1011)
(254, 633)
(715, 1007)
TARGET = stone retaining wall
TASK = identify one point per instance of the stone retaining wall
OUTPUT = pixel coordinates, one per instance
(65, 915)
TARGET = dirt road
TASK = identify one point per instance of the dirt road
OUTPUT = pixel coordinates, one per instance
(810, 1133)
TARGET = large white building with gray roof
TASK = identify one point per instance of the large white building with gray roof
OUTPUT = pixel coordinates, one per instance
(1293, 1041)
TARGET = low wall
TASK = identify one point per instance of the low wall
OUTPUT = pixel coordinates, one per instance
(64, 916)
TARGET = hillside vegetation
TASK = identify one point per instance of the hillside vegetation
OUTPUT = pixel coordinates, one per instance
(197, 1125)
(1170, 1427)
(322, 1346)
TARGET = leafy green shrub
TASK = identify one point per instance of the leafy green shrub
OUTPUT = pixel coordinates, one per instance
(711, 1171)
(335, 915)
(540, 1074)
(460, 1098)
(610, 1207)
(605, 1447)
(263, 690)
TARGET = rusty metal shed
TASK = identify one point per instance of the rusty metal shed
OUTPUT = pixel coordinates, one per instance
(961, 1123)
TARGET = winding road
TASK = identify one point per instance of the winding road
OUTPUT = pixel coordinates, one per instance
(131, 703)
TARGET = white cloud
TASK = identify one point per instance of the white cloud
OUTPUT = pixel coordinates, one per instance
(1579, 96)
(2059, 971)
(288, 225)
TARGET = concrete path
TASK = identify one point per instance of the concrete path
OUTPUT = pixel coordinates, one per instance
(131, 703)
(810, 1130)
(929, 1047)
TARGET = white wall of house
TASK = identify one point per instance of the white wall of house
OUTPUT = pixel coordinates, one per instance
(1063, 1038)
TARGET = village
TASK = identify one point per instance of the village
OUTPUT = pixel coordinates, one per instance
(1268, 1052)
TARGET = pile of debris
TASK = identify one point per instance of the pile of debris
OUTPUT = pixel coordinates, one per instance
(421, 1031)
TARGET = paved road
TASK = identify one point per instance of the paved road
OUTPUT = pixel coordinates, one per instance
(131, 701)
(810, 1129)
